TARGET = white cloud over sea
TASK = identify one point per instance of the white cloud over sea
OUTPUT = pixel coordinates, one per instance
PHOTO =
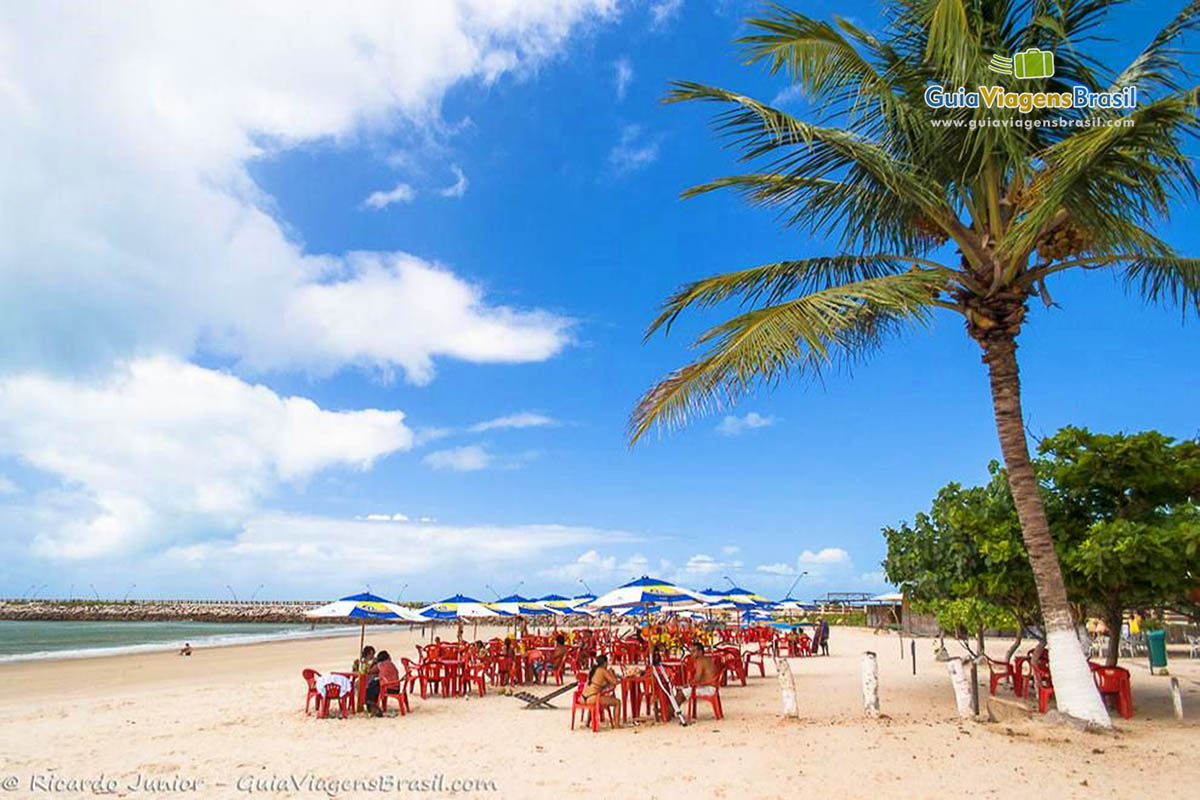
(136, 243)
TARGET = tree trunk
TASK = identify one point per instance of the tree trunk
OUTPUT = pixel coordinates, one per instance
(1016, 642)
(1075, 692)
(1113, 620)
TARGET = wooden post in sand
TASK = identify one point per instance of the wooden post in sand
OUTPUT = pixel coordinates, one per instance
(962, 686)
(787, 687)
(870, 685)
(1176, 698)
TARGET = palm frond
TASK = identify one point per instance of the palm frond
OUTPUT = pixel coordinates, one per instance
(797, 337)
(1108, 173)
(889, 192)
(1167, 280)
(1158, 66)
(771, 283)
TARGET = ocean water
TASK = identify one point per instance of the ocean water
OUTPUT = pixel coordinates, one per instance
(27, 641)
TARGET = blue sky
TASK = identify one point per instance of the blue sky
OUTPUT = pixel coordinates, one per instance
(206, 247)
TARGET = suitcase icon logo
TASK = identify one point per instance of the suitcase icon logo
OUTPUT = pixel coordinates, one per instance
(1031, 63)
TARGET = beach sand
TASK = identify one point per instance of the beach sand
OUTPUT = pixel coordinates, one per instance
(226, 716)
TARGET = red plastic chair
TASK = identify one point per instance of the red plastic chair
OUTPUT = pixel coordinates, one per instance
(714, 700)
(594, 709)
(475, 675)
(755, 658)
(332, 692)
(1044, 685)
(999, 672)
(396, 690)
(310, 677)
(1113, 683)
(732, 658)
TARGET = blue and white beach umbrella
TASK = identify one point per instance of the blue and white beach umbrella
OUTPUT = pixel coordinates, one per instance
(562, 606)
(365, 607)
(644, 591)
(519, 606)
(460, 607)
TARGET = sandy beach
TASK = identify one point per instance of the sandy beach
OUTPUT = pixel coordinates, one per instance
(228, 722)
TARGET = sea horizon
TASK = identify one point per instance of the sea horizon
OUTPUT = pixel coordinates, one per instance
(40, 640)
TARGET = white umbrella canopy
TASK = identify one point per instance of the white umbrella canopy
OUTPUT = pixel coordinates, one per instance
(647, 591)
(519, 606)
(460, 607)
(365, 607)
(562, 606)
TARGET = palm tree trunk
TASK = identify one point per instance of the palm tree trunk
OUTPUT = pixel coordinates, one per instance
(1074, 691)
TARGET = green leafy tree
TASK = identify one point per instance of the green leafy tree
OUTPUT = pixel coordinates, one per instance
(964, 560)
(894, 180)
(1123, 508)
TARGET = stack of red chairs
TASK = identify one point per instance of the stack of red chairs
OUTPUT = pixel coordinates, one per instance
(1113, 683)
(1044, 685)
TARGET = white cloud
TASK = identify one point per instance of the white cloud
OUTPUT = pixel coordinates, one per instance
(157, 449)
(524, 419)
(402, 193)
(787, 95)
(818, 563)
(730, 550)
(591, 564)
(663, 11)
(297, 546)
(633, 151)
(459, 187)
(384, 518)
(704, 564)
(826, 555)
(736, 426)
(467, 458)
(128, 137)
(396, 310)
(622, 76)
(7, 486)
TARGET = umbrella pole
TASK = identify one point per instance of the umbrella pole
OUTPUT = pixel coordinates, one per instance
(362, 636)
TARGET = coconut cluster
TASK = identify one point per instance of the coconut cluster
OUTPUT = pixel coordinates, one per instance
(1062, 242)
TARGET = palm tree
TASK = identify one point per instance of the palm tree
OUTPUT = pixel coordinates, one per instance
(941, 209)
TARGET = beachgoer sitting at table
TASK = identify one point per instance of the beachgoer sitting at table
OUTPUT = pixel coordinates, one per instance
(382, 671)
(559, 654)
(598, 680)
(540, 662)
(704, 671)
(362, 664)
(186, 650)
